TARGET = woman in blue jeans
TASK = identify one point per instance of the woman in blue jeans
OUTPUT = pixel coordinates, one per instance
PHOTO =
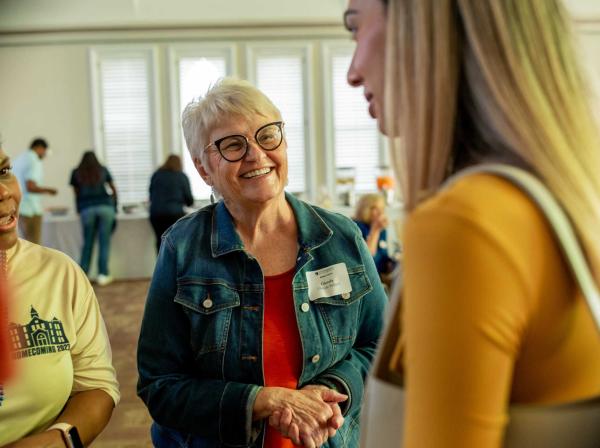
(96, 197)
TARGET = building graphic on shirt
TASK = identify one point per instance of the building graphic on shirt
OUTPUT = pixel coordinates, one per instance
(38, 337)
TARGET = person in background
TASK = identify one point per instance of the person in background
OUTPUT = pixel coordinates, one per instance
(372, 221)
(96, 198)
(64, 386)
(169, 193)
(29, 170)
(491, 314)
(264, 311)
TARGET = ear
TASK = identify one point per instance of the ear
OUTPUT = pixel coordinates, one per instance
(202, 171)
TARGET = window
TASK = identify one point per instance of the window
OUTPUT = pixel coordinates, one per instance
(125, 129)
(326, 120)
(355, 138)
(281, 74)
(196, 69)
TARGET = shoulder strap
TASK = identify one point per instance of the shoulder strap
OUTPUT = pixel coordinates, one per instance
(558, 220)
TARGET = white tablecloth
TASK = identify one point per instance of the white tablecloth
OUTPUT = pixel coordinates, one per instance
(132, 253)
(132, 248)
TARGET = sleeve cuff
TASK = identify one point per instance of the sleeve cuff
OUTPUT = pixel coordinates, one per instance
(235, 411)
(336, 383)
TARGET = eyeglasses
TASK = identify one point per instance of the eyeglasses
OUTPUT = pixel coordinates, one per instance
(235, 147)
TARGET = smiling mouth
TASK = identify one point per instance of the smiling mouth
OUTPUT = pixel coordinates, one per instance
(8, 221)
(255, 173)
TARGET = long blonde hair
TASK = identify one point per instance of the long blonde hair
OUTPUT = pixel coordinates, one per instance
(502, 77)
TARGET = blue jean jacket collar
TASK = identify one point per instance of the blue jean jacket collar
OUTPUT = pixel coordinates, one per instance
(223, 238)
(312, 230)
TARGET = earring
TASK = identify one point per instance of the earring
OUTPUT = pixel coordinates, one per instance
(213, 197)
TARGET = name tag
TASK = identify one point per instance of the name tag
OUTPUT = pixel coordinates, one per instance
(329, 281)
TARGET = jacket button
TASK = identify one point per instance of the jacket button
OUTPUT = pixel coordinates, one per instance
(346, 295)
(305, 307)
(315, 359)
(207, 303)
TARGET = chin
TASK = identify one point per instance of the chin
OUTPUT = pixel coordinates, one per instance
(381, 126)
(376, 115)
(263, 196)
(392, 133)
(8, 240)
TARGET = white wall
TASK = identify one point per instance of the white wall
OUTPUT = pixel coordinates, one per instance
(584, 10)
(590, 54)
(76, 14)
(44, 92)
(67, 14)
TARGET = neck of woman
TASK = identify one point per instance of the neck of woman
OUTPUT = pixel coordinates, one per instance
(256, 221)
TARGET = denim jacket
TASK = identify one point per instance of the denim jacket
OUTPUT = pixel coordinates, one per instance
(200, 347)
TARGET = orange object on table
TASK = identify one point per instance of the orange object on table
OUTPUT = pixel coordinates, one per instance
(385, 183)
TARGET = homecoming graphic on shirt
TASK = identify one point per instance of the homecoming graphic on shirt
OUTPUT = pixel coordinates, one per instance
(36, 338)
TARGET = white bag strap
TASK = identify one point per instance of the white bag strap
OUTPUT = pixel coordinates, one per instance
(558, 220)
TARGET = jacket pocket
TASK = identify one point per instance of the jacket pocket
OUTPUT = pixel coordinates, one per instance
(341, 312)
(209, 308)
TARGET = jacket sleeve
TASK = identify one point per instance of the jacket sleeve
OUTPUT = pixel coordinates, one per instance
(348, 376)
(174, 395)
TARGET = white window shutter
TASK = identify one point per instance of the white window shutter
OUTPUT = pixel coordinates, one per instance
(281, 78)
(126, 114)
(356, 138)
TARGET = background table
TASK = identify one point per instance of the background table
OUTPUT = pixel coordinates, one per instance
(132, 252)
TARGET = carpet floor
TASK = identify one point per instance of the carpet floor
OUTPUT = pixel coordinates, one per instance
(122, 305)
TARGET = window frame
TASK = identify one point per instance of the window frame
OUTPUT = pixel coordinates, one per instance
(307, 52)
(175, 52)
(330, 49)
(96, 54)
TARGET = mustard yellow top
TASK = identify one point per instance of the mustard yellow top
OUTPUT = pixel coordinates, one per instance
(491, 316)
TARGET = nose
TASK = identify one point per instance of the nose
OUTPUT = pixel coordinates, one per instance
(353, 77)
(254, 152)
(5, 192)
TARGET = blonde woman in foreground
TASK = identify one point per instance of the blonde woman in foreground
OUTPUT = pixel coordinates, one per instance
(492, 317)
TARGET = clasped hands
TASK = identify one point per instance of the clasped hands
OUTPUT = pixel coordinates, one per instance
(308, 416)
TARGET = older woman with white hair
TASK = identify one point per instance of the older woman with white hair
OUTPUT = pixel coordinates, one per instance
(262, 308)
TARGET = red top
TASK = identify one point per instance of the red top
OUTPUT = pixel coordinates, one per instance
(282, 349)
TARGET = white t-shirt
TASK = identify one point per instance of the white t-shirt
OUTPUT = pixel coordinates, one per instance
(58, 337)
(28, 166)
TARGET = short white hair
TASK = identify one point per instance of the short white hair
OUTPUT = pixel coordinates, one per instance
(228, 98)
